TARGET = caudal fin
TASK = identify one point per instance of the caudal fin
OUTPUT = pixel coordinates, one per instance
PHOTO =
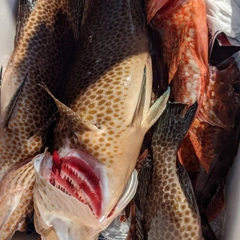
(174, 123)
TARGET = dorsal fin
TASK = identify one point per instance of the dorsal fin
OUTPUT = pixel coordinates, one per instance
(10, 108)
(155, 110)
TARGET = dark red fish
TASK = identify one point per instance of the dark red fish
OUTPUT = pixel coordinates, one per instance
(212, 142)
(182, 26)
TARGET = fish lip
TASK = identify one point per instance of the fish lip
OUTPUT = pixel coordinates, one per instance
(79, 175)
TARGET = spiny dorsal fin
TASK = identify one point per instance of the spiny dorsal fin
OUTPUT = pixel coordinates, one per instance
(13, 102)
(72, 119)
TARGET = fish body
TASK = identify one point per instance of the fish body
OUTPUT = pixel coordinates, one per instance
(182, 26)
(44, 45)
(105, 113)
(170, 210)
(214, 137)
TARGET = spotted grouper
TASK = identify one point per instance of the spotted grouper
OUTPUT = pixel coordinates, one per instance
(46, 38)
(105, 112)
(170, 210)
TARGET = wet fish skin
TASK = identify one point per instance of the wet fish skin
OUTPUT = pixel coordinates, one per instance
(45, 41)
(182, 27)
(106, 107)
(214, 137)
(170, 210)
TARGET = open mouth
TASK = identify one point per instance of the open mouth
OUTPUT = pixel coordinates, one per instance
(78, 178)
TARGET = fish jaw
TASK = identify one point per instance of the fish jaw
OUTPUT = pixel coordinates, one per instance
(65, 215)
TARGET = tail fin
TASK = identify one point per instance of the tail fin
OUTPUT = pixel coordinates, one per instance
(174, 123)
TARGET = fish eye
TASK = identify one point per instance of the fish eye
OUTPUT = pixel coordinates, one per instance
(236, 87)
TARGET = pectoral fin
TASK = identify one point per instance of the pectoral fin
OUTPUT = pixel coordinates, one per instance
(10, 108)
(75, 123)
(156, 110)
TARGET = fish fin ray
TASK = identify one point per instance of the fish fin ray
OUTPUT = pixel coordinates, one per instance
(74, 121)
(175, 122)
(141, 100)
(156, 110)
(12, 104)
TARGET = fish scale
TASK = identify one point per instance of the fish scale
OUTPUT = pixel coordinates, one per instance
(182, 26)
(45, 41)
(170, 210)
(105, 110)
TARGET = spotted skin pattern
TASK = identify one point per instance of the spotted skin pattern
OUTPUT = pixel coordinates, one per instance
(45, 43)
(38, 57)
(170, 211)
(105, 110)
(182, 26)
(104, 87)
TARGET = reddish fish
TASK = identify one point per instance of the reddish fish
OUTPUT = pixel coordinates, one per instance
(214, 138)
(44, 46)
(182, 26)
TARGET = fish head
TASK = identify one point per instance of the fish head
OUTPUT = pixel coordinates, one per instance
(94, 163)
(222, 97)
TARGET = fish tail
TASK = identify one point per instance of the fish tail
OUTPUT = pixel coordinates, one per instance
(174, 123)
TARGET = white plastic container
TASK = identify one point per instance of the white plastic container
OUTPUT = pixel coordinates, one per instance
(8, 11)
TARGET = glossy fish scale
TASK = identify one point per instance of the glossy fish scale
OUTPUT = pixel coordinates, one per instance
(105, 111)
(19, 180)
(105, 69)
(44, 45)
(184, 35)
(170, 209)
(213, 140)
(36, 56)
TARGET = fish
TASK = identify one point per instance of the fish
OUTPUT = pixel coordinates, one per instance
(170, 210)
(45, 42)
(104, 114)
(214, 137)
(182, 35)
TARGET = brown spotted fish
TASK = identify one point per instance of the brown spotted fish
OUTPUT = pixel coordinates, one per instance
(212, 142)
(105, 113)
(170, 210)
(183, 39)
(45, 42)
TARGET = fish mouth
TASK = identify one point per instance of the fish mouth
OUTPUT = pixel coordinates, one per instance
(78, 175)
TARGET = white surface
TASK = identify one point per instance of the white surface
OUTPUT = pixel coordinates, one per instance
(232, 221)
(8, 10)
